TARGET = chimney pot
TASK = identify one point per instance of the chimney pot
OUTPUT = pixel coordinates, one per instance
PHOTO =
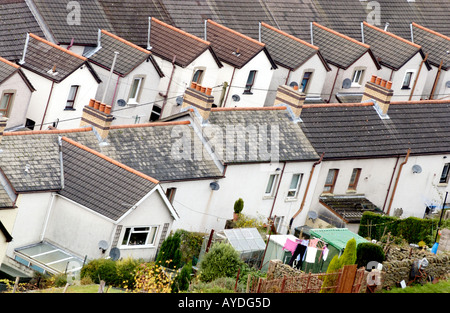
(96, 105)
(91, 103)
(108, 109)
(373, 79)
(203, 89)
(378, 81)
(194, 85)
(389, 85)
(383, 83)
(199, 87)
(102, 107)
(296, 87)
(208, 91)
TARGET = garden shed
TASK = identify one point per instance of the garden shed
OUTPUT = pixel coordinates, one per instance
(335, 239)
(275, 250)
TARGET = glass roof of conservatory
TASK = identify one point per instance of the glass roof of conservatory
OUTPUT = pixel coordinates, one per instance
(245, 239)
(45, 256)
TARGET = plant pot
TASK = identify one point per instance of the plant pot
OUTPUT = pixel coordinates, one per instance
(235, 216)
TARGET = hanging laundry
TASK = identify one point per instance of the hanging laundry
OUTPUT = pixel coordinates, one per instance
(311, 255)
(298, 255)
(290, 245)
(325, 253)
(313, 242)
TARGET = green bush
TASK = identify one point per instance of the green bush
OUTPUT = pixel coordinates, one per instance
(191, 244)
(349, 255)
(222, 260)
(170, 253)
(412, 229)
(126, 270)
(238, 205)
(181, 282)
(367, 252)
(101, 269)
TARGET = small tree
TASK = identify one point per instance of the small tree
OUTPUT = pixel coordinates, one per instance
(181, 282)
(170, 253)
(222, 260)
(349, 255)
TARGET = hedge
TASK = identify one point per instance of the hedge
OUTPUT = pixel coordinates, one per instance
(412, 229)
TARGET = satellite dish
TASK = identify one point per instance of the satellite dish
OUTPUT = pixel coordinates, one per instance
(179, 100)
(293, 84)
(235, 98)
(417, 169)
(312, 215)
(121, 102)
(114, 254)
(347, 83)
(103, 245)
(447, 84)
(214, 186)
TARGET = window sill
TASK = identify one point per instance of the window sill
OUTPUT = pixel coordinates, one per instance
(442, 184)
(351, 191)
(268, 197)
(70, 109)
(290, 199)
(406, 88)
(328, 194)
(137, 247)
(247, 93)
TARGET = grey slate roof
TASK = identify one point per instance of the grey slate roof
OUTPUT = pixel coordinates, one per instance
(60, 18)
(6, 70)
(5, 199)
(149, 150)
(130, 56)
(31, 161)
(99, 184)
(390, 50)
(263, 128)
(350, 208)
(41, 57)
(233, 47)
(287, 50)
(16, 20)
(433, 43)
(357, 131)
(337, 49)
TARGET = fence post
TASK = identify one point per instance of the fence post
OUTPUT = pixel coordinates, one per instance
(283, 283)
(258, 289)
(347, 279)
(307, 282)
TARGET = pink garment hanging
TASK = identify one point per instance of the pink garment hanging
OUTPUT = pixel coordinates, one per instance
(290, 245)
(313, 243)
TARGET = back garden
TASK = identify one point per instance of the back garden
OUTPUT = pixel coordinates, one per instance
(396, 243)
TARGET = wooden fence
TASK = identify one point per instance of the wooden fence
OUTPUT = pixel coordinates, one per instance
(347, 280)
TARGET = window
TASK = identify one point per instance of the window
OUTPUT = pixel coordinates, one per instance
(331, 180)
(250, 82)
(407, 80)
(277, 222)
(156, 113)
(72, 96)
(30, 124)
(271, 184)
(354, 179)
(357, 77)
(135, 88)
(445, 174)
(139, 236)
(294, 186)
(5, 103)
(170, 193)
(305, 80)
(198, 76)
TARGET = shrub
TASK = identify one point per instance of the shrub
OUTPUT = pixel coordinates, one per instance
(60, 280)
(238, 206)
(126, 270)
(101, 269)
(170, 253)
(181, 282)
(222, 260)
(151, 278)
(191, 244)
(367, 252)
(349, 255)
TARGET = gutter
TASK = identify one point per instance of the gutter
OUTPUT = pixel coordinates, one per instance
(46, 107)
(306, 191)
(436, 80)
(397, 179)
(168, 87)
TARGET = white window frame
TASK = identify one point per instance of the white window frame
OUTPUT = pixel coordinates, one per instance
(249, 85)
(411, 79)
(302, 88)
(272, 183)
(70, 103)
(129, 231)
(293, 191)
(358, 82)
(445, 175)
(135, 98)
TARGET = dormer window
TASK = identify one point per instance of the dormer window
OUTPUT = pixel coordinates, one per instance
(407, 80)
(357, 77)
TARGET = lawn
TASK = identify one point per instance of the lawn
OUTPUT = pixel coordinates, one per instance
(93, 288)
(442, 286)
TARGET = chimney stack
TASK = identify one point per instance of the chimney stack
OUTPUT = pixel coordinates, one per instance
(200, 98)
(379, 89)
(291, 97)
(98, 115)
